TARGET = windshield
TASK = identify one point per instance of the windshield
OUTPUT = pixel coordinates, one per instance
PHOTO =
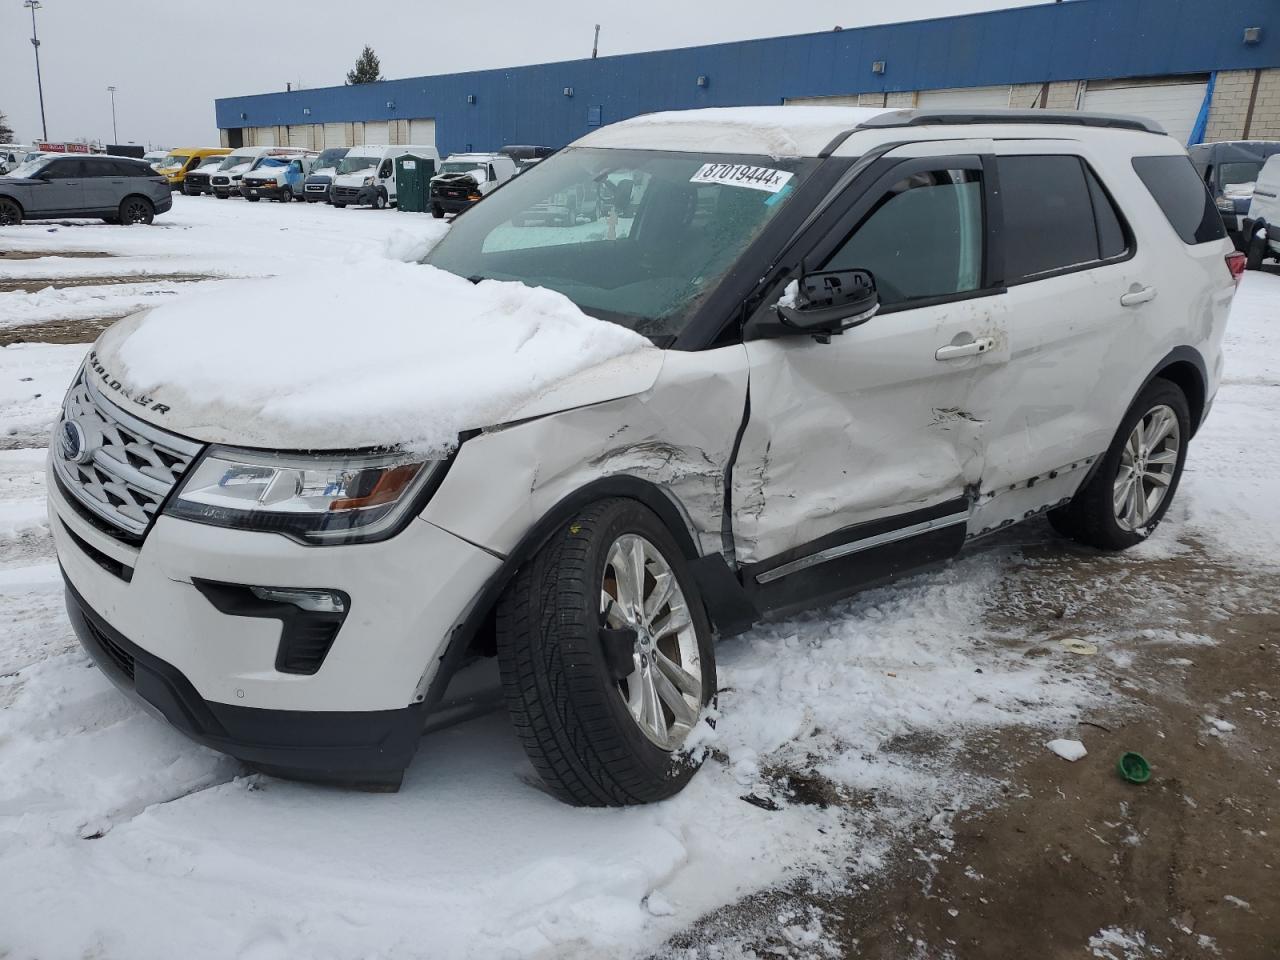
(265, 162)
(1239, 175)
(637, 237)
(350, 164)
(174, 160)
(210, 163)
(28, 168)
(231, 160)
(330, 157)
(473, 167)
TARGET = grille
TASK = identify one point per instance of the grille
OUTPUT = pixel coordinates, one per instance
(222, 181)
(132, 467)
(316, 187)
(345, 193)
(198, 177)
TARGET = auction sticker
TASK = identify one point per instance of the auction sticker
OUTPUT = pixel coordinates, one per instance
(742, 175)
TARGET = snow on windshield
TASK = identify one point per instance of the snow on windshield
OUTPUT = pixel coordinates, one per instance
(350, 164)
(28, 168)
(407, 355)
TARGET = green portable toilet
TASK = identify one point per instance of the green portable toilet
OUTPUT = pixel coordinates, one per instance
(413, 183)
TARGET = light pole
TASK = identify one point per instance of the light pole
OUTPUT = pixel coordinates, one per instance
(115, 137)
(35, 42)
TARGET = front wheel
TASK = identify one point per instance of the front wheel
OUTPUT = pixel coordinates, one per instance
(437, 212)
(606, 658)
(339, 205)
(136, 210)
(10, 213)
(380, 200)
(1132, 487)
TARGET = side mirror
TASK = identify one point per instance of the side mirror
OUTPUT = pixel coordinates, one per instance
(829, 302)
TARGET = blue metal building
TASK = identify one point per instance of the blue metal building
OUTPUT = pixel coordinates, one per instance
(1073, 43)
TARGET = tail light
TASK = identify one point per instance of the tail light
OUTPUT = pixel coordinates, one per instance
(1235, 263)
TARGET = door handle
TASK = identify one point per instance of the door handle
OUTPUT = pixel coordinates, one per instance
(954, 351)
(1137, 295)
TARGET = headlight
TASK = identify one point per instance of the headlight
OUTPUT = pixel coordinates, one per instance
(312, 499)
(369, 181)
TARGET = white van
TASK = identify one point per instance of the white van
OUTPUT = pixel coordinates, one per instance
(1261, 233)
(802, 350)
(225, 181)
(367, 174)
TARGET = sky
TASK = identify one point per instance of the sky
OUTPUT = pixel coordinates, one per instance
(170, 61)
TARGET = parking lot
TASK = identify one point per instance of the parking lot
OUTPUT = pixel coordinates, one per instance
(877, 784)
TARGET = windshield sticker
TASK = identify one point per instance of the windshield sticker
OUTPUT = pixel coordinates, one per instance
(742, 175)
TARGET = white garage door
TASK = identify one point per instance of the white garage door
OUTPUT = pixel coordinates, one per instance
(1172, 105)
(422, 133)
(964, 98)
(846, 101)
(375, 131)
(300, 137)
(335, 135)
(263, 136)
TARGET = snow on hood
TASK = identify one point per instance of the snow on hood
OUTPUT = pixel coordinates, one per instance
(394, 354)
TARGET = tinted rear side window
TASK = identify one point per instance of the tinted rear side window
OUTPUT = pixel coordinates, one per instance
(1182, 196)
(1048, 216)
(1112, 239)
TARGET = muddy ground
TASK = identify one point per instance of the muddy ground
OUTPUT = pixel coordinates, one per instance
(1186, 865)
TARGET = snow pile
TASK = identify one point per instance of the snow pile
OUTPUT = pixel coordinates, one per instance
(1071, 750)
(390, 354)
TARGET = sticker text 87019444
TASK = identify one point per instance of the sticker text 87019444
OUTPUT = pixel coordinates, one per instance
(742, 175)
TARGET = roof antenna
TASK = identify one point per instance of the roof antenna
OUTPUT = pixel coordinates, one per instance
(595, 44)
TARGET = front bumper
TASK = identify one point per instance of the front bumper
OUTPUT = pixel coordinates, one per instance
(452, 204)
(214, 675)
(270, 191)
(358, 196)
(164, 204)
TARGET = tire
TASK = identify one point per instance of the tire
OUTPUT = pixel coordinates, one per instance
(222, 196)
(437, 212)
(136, 210)
(1255, 253)
(339, 205)
(253, 199)
(561, 668)
(10, 212)
(380, 200)
(1093, 516)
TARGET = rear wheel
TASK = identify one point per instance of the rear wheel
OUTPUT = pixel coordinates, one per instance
(10, 212)
(1129, 493)
(606, 658)
(136, 210)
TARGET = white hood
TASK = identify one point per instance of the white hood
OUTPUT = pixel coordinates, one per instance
(379, 354)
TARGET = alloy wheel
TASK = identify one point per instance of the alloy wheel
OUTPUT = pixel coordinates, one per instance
(1148, 464)
(639, 593)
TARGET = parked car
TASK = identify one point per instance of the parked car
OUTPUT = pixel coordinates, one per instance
(155, 157)
(117, 189)
(315, 188)
(525, 155)
(198, 182)
(12, 154)
(1261, 225)
(277, 178)
(1230, 168)
(225, 181)
(466, 178)
(179, 162)
(861, 356)
(366, 176)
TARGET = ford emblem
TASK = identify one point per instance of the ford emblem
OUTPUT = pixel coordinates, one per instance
(75, 447)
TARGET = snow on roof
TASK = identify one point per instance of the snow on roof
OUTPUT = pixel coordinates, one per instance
(767, 131)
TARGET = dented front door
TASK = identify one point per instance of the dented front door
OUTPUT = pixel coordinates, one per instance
(869, 438)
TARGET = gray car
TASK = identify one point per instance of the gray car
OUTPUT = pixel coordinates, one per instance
(117, 189)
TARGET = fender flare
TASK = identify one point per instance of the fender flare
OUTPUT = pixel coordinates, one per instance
(1176, 362)
(656, 498)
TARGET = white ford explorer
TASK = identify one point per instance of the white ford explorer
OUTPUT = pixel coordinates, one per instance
(869, 337)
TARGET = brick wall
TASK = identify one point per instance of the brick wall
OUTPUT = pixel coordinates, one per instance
(1229, 111)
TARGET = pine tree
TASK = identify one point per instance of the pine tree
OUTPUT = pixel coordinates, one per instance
(6, 131)
(367, 69)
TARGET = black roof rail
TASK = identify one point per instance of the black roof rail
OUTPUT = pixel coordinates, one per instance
(919, 118)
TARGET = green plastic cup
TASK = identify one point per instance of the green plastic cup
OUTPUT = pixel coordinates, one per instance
(1134, 767)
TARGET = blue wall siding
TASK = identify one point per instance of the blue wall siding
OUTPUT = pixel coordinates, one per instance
(1075, 40)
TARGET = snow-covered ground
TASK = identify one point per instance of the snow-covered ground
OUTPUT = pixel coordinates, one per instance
(119, 838)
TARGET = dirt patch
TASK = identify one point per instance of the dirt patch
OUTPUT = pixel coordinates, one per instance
(42, 254)
(58, 331)
(1184, 866)
(32, 284)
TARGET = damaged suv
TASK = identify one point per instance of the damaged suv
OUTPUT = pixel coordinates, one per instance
(801, 350)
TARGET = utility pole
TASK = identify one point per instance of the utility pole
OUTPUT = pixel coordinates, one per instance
(115, 137)
(595, 44)
(35, 42)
